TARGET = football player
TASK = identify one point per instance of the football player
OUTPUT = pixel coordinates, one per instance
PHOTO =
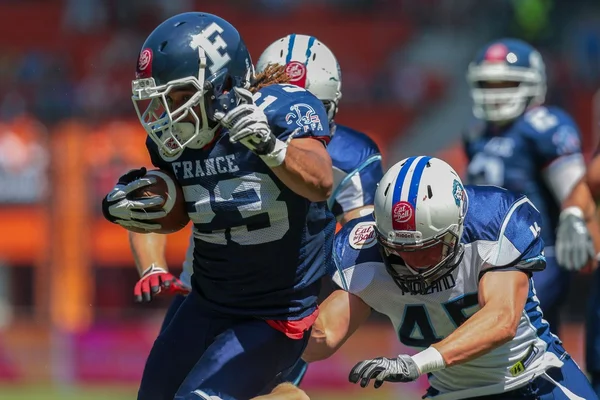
(356, 161)
(357, 167)
(588, 189)
(250, 155)
(451, 266)
(518, 143)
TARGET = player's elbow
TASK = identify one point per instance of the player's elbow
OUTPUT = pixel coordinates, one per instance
(320, 187)
(325, 187)
(507, 325)
(320, 346)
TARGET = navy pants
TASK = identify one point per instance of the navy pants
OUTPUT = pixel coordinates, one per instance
(200, 353)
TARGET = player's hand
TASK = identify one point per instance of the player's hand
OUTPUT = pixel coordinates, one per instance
(248, 124)
(382, 369)
(574, 246)
(156, 280)
(119, 209)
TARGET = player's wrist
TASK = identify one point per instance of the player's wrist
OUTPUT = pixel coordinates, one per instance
(277, 156)
(572, 210)
(153, 269)
(429, 360)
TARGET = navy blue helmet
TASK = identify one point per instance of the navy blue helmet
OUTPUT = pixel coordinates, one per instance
(506, 77)
(194, 51)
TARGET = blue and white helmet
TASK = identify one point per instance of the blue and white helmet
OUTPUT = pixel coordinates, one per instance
(420, 207)
(195, 50)
(309, 64)
(506, 77)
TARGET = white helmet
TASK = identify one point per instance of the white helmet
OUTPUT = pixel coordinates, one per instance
(506, 77)
(309, 64)
(420, 207)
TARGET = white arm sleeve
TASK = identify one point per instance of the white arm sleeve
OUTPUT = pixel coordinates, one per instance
(563, 174)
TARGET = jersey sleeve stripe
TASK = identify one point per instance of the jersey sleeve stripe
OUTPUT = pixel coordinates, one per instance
(347, 178)
(511, 211)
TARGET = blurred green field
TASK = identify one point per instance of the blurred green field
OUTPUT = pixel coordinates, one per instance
(36, 392)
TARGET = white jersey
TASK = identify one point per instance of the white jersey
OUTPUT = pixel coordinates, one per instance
(501, 230)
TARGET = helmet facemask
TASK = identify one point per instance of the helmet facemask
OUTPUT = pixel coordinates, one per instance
(523, 88)
(171, 129)
(398, 248)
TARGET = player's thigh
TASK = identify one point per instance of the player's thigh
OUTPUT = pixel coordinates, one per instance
(241, 362)
(176, 350)
(172, 310)
(551, 284)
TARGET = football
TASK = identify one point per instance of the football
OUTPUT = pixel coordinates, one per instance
(167, 187)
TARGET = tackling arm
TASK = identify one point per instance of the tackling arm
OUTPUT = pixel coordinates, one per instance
(355, 213)
(340, 316)
(502, 296)
(307, 169)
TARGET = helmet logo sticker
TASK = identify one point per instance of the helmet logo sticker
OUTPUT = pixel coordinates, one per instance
(296, 71)
(144, 66)
(362, 236)
(403, 216)
(496, 53)
(457, 192)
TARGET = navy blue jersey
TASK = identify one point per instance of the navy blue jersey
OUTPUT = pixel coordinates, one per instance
(501, 231)
(260, 249)
(515, 157)
(357, 170)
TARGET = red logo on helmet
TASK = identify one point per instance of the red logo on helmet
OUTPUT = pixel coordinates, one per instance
(144, 66)
(496, 53)
(296, 71)
(403, 216)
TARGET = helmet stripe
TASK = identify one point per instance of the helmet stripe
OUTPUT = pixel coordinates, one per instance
(311, 41)
(288, 57)
(400, 180)
(416, 179)
(403, 217)
(404, 201)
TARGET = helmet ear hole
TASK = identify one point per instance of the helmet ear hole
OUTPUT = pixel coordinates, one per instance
(387, 189)
(228, 84)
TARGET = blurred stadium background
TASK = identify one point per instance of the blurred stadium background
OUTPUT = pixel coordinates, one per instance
(68, 326)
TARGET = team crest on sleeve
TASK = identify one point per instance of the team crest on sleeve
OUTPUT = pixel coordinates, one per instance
(305, 117)
(362, 236)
